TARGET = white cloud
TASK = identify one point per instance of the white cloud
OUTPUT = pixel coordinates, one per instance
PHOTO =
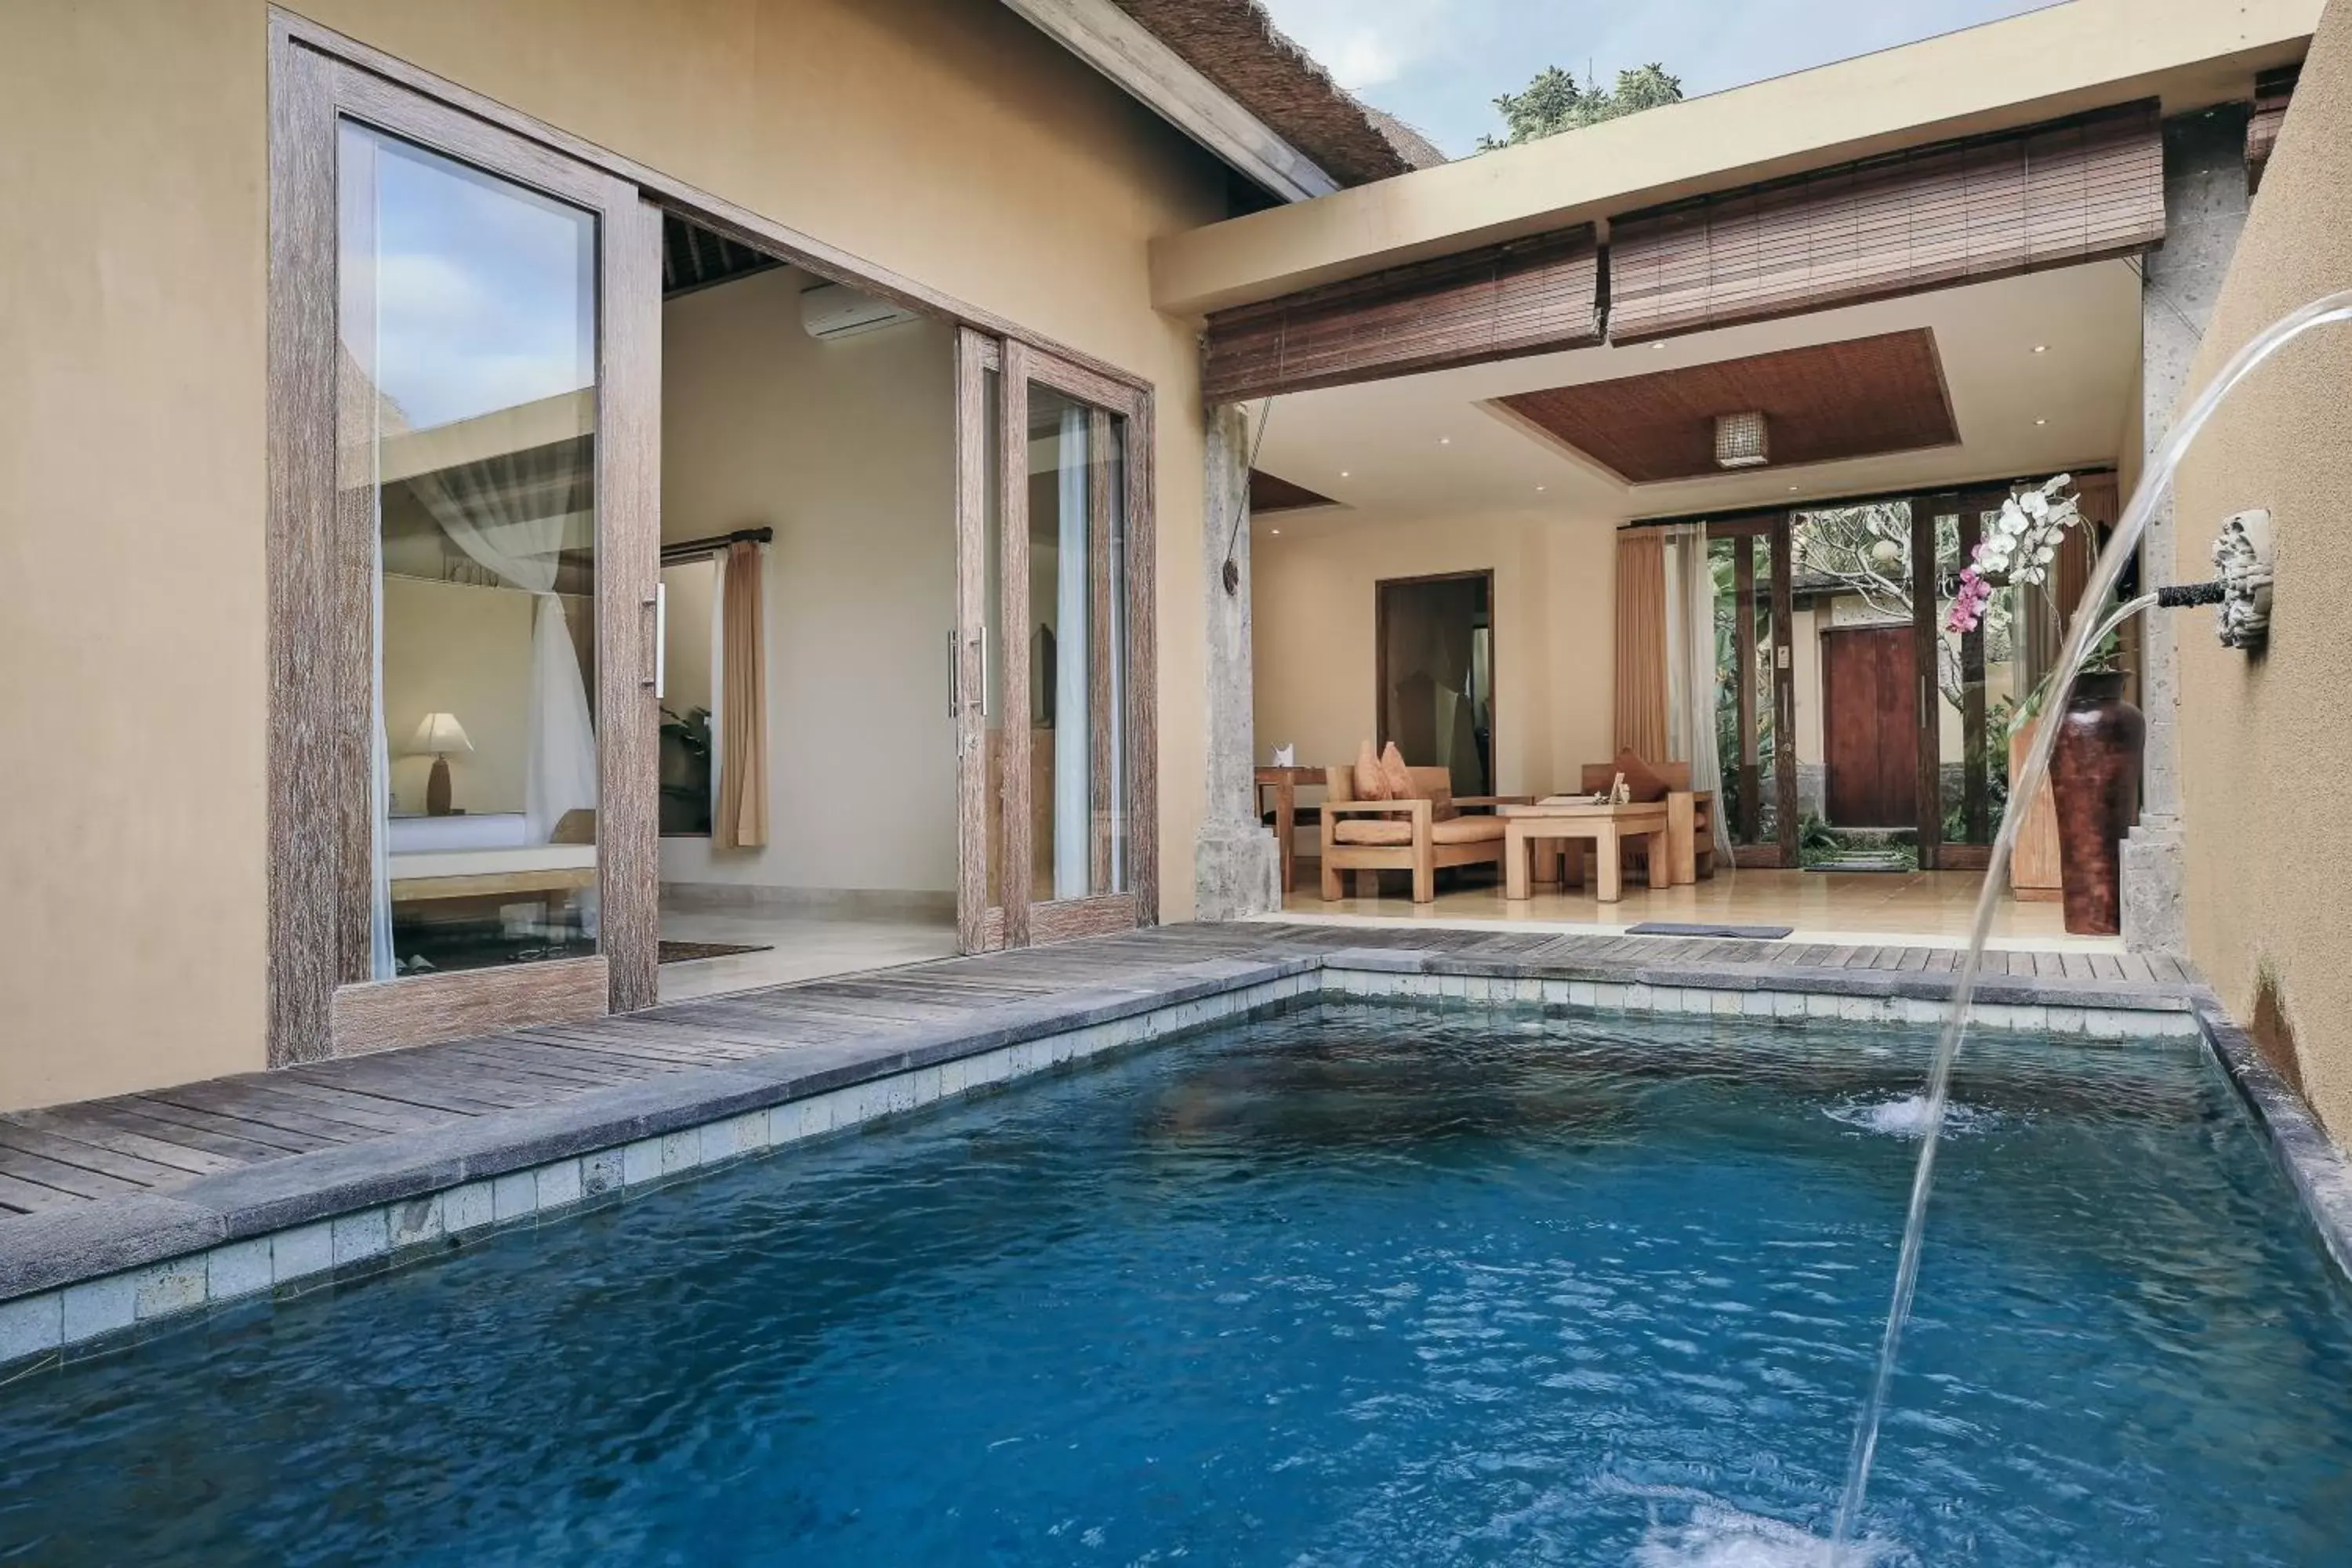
(1365, 43)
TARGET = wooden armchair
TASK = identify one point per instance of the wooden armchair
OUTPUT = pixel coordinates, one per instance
(1406, 834)
(1690, 816)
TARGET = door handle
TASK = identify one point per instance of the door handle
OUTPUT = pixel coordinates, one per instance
(659, 605)
(985, 685)
(955, 673)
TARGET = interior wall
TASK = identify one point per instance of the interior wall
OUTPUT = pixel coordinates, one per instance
(1314, 609)
(2262, 781)
(949, 140)
(847, 450)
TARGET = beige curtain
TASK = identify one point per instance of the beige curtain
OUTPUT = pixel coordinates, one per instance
(1641, 690)
(742, 818)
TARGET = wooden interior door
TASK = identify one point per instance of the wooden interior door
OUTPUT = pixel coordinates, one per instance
(1869, 727)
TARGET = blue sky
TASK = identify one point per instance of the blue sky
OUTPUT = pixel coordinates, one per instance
(1439, 63)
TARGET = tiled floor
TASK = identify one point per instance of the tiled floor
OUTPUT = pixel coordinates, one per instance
(1925, 908)
(800, 947)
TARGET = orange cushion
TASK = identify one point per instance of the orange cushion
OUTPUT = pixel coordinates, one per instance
(1646, 782)
(1396, 775)
(1467, 830)
(1371, 784)
(1372, 830)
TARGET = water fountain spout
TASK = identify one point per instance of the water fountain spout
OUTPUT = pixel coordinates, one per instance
(2243, 559)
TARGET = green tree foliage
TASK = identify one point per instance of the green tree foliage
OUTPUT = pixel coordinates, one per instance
(1553, 102)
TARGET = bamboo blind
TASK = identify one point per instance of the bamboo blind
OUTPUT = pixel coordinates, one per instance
(2272, 92)
(1963, 212)
(1533, 296)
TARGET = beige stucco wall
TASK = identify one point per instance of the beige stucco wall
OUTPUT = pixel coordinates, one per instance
(1313, 616)
(2270, 739)
(946, 139)
(847, 450)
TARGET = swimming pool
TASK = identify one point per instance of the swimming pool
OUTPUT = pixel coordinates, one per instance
(1363, 1284)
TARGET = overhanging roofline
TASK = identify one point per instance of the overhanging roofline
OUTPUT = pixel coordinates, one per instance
(2065, 59)
(1130, 54)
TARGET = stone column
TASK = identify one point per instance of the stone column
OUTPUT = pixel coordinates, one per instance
(2204, 211)
(1237, 867)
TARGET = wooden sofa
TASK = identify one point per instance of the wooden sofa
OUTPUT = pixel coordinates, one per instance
(1690, 818)
(1406, 834)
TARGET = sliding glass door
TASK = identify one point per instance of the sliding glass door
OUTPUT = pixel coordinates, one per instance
(1052, 649)
(463, 574)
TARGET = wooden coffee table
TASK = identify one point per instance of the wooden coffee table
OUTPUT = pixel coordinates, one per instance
(1568, 823)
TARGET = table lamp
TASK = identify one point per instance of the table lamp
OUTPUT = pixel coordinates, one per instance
(437, 737)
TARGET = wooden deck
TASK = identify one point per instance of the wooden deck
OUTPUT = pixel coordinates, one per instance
(155, 1142)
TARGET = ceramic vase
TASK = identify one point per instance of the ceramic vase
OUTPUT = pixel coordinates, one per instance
(2094, 777)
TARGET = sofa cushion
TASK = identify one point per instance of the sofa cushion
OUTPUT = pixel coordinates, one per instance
(1396, 775)
(1370, 783)
(1372, 830)
(1467, 830)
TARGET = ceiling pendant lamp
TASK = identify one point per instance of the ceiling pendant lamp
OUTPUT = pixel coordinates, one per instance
(1739, 440)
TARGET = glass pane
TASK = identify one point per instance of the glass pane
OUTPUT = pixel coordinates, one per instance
(1979, 679)
(466, 409)
(1064, 534)
(1747, 732)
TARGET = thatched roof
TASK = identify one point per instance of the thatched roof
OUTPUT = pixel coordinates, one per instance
(1235, 45)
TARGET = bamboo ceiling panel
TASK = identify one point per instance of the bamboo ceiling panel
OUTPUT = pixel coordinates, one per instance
(1534, 296)
(2075, 191)
(1822, 402)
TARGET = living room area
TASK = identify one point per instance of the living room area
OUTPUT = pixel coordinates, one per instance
(1671, 635)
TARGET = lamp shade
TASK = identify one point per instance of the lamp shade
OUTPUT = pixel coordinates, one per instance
(440, 732)
(1739, 440)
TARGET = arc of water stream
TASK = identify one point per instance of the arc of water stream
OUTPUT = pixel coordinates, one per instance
(2085, 635)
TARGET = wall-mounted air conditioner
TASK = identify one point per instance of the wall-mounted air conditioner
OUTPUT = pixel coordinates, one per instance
(830, 311)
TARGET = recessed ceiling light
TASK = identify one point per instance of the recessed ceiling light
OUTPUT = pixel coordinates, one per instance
(2041, 421)
(1793, 490)
(1659, 344)
(1275, 531)
(1540, 489)
(1343, 473)
(1445, 440)
(2042, 348)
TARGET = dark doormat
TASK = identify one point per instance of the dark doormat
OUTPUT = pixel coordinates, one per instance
(688, 951)
(1677, 928)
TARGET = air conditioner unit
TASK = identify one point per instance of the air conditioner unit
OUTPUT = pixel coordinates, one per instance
(829, 311)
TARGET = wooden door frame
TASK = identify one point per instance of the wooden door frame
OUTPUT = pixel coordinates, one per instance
(1019, 921)
(321, 998)
(1381, 656)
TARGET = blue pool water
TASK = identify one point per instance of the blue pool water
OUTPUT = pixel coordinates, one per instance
(1356, 1286)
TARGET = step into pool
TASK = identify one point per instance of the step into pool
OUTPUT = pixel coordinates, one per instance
(1365, 1283)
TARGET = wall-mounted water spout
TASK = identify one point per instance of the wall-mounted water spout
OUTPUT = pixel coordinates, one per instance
(2246, 573)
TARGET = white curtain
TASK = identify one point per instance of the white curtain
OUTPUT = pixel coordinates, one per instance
(1691, 671)
(1073, 736)
(488, 508)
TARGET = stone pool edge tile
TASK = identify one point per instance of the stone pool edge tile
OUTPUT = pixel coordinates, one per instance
(2320, 1172)
(147, 1242)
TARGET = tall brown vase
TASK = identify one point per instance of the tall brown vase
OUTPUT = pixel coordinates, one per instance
(2095, 776)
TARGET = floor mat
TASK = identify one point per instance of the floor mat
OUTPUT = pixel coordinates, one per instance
(688, 951)
(1679, 928)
